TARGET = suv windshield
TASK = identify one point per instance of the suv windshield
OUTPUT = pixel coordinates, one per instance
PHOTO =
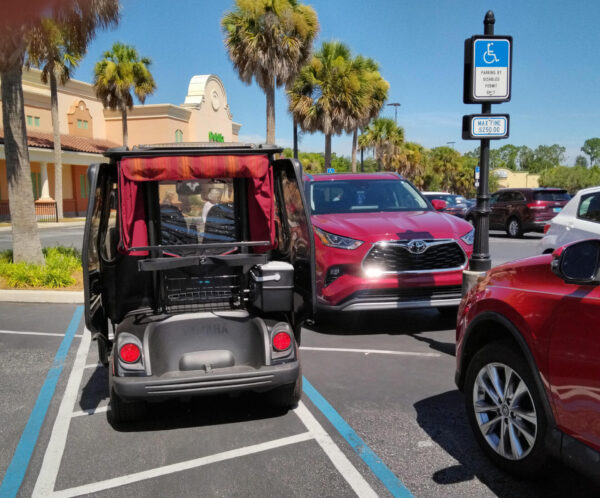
(364, 196)
(551, 195)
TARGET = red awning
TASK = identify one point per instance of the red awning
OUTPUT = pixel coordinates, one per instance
(134, 170)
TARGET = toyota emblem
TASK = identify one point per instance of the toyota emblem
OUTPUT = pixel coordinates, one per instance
(417, 246)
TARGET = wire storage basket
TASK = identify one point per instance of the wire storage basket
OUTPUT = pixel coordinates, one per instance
(205, 288)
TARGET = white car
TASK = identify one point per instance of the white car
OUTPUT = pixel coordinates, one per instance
(578, 220)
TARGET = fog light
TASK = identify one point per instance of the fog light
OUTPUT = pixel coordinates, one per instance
(373, 272)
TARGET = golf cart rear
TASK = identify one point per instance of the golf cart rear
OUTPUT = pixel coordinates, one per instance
(198, 265)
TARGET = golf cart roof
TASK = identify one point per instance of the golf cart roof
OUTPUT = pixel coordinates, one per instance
(193, 149)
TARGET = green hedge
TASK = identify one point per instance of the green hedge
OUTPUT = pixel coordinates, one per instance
(61, 263)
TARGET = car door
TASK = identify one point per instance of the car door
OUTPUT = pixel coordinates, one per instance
(574, 362)
(295, 238)
(499, 210)
(99, 181)
(586, 224)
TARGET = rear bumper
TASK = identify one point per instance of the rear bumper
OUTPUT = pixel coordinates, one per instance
(196, 383)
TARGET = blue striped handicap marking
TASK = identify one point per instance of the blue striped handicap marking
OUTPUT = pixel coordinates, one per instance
(18, 466)
(380, 469)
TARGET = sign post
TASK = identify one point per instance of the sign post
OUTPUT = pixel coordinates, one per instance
(487, 80)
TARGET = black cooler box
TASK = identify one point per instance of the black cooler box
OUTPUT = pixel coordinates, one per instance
(273, 286)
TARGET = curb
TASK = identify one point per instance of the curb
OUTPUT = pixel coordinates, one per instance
(41, 296)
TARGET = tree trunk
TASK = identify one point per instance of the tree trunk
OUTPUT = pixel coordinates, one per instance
(354, 145)
(295, 139)
(327, 151)
(270, 92)
(25, 237)
(124, 123)
(58, 194)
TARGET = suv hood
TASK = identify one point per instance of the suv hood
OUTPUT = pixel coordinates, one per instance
(371, 227)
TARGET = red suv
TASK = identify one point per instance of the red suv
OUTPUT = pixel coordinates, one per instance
(381, 245)
(528, 360)
(519, 210)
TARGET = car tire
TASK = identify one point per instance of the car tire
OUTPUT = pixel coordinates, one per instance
(286, 397)
(515, 426)
(514, 228)
(125, 411)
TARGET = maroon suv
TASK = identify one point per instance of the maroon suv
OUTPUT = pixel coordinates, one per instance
(519, 210)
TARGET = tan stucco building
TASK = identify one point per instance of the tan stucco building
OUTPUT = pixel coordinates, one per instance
(508, 178)
(87, 129)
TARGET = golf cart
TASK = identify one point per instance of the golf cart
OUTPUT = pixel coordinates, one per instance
(198, 272)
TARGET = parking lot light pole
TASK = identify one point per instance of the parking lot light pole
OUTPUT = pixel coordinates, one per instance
(395, 105)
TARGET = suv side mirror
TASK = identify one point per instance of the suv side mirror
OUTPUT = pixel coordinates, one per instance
(578, 263)
(438, 204)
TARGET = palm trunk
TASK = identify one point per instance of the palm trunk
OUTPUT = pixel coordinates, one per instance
(124, 123)
(327, 151)
(270, 92)
(25, 237)
(354, 145)
(58, 195)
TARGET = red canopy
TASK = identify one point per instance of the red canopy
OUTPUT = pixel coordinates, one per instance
(171, 168)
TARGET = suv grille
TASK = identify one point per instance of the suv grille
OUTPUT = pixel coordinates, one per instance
(412, 293)
(395, 257)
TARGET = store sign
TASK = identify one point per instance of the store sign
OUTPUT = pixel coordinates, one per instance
(215, 137)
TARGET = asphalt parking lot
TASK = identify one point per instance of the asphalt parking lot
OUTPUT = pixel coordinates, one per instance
(380, 415)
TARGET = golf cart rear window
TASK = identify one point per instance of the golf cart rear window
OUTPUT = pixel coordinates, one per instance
(197, 212)
(365, 196)
(551, 195)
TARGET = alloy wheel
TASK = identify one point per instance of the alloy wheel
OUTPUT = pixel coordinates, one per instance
(504, 411)
(513, 228)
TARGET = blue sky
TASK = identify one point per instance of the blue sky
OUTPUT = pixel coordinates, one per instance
(419, 46)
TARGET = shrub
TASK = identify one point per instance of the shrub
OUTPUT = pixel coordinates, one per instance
(61, 263)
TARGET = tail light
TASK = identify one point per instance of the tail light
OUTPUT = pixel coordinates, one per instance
(537, 205)
(282, 341)
(546, 228)
(130, 353)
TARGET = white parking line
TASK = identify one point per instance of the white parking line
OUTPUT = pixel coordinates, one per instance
(91, 411)
(46, 480)
(371, 351)
(94, 365)
(354, 478)
(23, 332)
(181, 466)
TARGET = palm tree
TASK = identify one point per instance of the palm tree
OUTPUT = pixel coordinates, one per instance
(327, 93)
(269, 41)
(384, 137)
(375, 92)
(83, 17)
(115, 76)
(410, 161)
(52, 49)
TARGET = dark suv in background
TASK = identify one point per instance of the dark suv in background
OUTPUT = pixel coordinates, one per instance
(519, 210)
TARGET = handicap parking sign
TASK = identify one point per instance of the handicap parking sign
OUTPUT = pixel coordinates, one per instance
(491, 68)
(488, 68)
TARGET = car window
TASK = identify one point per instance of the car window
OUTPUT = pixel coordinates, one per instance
(517, 196)
(550, 195)
(589, 207)
(363, 196)
(505, 197)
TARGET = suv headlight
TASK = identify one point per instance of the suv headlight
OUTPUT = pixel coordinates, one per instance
(469, 238)
(332, 240)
